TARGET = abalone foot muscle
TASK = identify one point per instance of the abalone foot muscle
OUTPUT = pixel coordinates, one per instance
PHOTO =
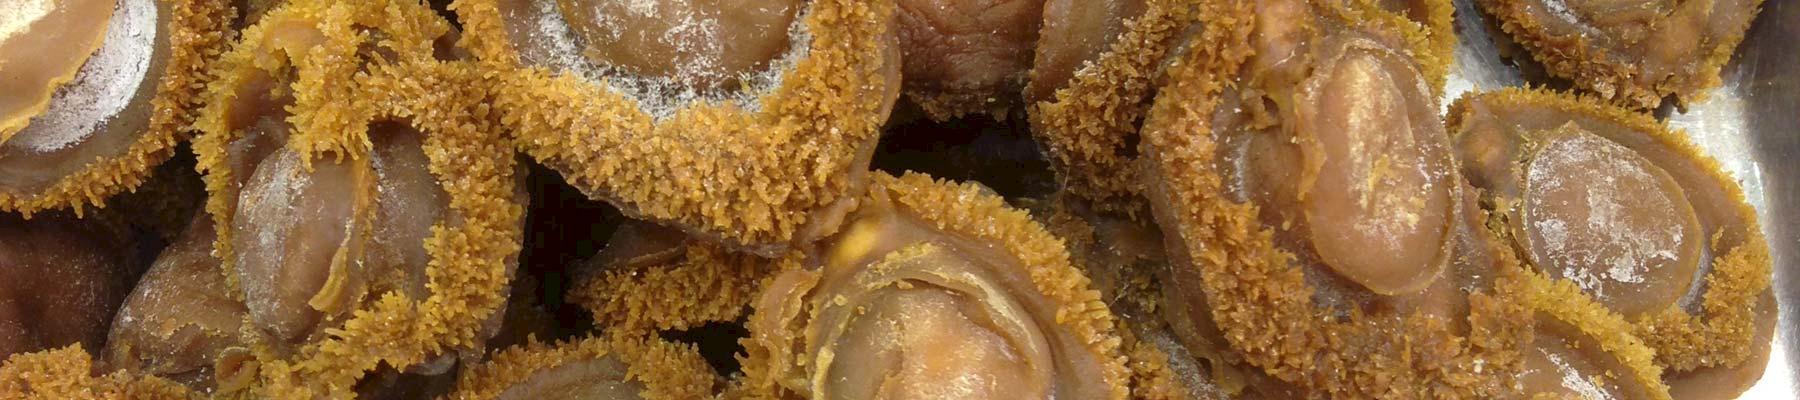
(98, 94)
(704, 46)
(1314, 214)
(941, 313)
(180, 317)
(1634, 53)
(1564, 361)
(1630, 215)
(293, 233)
(760, 168)
(1374, 188)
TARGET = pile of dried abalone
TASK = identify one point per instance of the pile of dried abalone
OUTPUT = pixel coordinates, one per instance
(685, 199)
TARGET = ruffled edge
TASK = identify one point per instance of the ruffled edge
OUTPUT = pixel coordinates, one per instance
(667, 370)
(68, 372)
(971, 212)
(1086, 126)
(1575, 59)
(335, 102)
(1562, 300)
(1741, 271)
(750, 180)
(200, 32)
(705, 284)
(1262, 304)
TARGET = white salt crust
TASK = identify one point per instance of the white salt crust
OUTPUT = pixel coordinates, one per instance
(660, 97)
(102, 87)
(278, 195)
(1574, 381)
(15, 15)
(1637, 249)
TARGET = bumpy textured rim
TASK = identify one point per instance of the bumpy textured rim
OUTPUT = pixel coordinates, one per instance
(334, 105)
(667, 370)
(1152, 376)
(1575, 59)
(1740, 273)
(1562, 300)
(751, 180)
(327, 115)
(942, 105)
(199, 32)
(1134, 299)
(706, 284)
(969, 211)
(1086, 127)
(68, 373)
(1440, 28)
(1263, 304)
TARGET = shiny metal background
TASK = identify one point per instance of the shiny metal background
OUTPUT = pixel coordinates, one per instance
(1751, 125)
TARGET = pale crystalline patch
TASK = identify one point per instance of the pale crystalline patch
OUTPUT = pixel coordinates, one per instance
(643, 7)
(1574, 380)
(1636, 249)
(103, 86)
(661, 96)
(1561, 10)
(15, 15)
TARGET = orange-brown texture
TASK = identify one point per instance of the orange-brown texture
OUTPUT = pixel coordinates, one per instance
(125, 149)
(667, 282)
(760, 178)
(608, 367)
(922, 259)
(1122, 258)
(1262, 293)
(1720, 329)
(1633, 53)
(1096, 65)
(68, 373)
(352, 94)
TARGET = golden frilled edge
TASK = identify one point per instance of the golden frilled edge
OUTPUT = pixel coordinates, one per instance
(468, 270)
(1087, 123)
(201, 29)
(667, 370)
(335, 103)
(969, 211)
(1263, 303)
(940, 105)
(68, 373)
(1562, 300)
(748, 179)
(1576, 59)
(1152, 375)
(327, 116)
(1740, 274)
(705, 284)
(1133, 297)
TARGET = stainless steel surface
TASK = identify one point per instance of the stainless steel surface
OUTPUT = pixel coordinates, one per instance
(1751, 125)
